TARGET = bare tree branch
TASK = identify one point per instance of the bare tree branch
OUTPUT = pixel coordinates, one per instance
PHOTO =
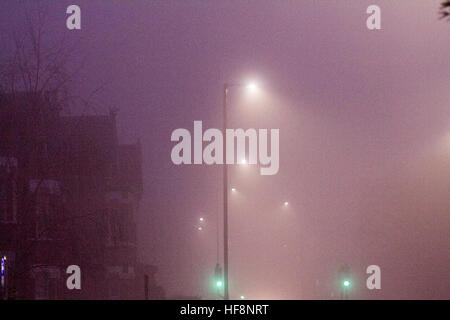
(445, 10)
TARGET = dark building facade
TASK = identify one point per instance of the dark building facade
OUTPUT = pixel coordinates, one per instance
(69, 193)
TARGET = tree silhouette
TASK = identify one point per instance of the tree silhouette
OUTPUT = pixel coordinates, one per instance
(37, 73)
(445, 10)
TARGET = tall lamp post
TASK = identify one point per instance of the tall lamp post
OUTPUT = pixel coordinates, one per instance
(226, 87)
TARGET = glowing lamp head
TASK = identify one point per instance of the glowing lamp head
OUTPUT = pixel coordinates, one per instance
(286, 203)
(219, 284)
(252, 87)
(346, 283)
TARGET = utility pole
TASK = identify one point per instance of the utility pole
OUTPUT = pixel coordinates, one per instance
(226, 87)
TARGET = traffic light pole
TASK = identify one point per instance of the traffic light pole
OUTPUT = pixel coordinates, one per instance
(225, 198)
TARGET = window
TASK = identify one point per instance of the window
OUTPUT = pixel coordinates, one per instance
(8, 197)
(46, 282)
(120, 224)
(46, 204)
(45, 217)
(113, 288)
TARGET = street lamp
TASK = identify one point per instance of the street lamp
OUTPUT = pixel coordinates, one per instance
(252, 87)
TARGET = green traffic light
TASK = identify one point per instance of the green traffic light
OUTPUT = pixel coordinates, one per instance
(219, 284)
(346, 283)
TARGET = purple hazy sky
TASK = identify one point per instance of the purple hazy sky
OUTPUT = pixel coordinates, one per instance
(364, 119)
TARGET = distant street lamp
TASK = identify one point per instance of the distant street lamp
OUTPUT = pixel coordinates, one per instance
(251, 87)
